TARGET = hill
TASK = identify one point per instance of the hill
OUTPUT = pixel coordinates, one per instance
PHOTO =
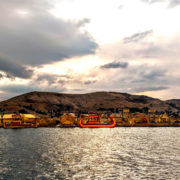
(49, 103)
(174, 103)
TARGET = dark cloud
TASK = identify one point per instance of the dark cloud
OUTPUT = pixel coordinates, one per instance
(5, 75)
(148, 75)
(40, 38)
(76, 89)
(52, 78)
(1, 76)
(114, 65)
(16, 89)
(9, 76)
(89, 82)
(153, 74)
(13, 69)
(149, 88)
(137, 37)
(63, 80)
(140, 78)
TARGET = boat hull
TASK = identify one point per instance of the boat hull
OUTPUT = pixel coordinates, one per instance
(19, 125)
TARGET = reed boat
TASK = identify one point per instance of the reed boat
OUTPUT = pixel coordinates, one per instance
(17, 121)
(95, 121)
(18, 124)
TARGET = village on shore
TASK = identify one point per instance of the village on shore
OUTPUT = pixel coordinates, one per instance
(123, 119)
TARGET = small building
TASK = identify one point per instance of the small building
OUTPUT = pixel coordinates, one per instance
(126, 113)
(164, 118)
(117, 117)
(152, 116)
(139, 118)
(158, 119)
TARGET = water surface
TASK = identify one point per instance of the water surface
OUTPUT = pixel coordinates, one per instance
(75, 153)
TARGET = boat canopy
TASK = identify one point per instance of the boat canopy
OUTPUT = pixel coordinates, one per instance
(8, 116)
(28, 116)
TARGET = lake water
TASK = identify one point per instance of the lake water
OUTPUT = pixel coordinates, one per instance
(74, 153)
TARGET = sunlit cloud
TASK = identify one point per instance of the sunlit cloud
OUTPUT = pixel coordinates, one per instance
(83, 46)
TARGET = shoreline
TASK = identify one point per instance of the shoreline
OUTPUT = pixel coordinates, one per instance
(123, 125)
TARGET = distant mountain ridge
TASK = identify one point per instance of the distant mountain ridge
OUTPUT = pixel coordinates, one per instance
(48, 103)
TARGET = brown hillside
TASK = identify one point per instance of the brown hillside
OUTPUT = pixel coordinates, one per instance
(174, 103)
(46, 103)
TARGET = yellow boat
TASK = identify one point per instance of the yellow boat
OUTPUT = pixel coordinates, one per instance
(19, 121)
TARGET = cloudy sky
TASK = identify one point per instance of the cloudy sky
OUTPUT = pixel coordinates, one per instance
(79, 46)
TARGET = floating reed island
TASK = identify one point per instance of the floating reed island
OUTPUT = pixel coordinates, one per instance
(123, 119)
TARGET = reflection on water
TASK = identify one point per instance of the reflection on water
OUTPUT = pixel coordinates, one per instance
(117, 153)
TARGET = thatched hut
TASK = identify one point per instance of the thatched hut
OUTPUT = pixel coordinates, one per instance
(68, 119)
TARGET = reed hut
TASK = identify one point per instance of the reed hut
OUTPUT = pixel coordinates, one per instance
(68, 119)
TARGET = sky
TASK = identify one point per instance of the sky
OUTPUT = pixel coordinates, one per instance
(82, 46)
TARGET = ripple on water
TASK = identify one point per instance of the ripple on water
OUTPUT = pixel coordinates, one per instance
(117, 153)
